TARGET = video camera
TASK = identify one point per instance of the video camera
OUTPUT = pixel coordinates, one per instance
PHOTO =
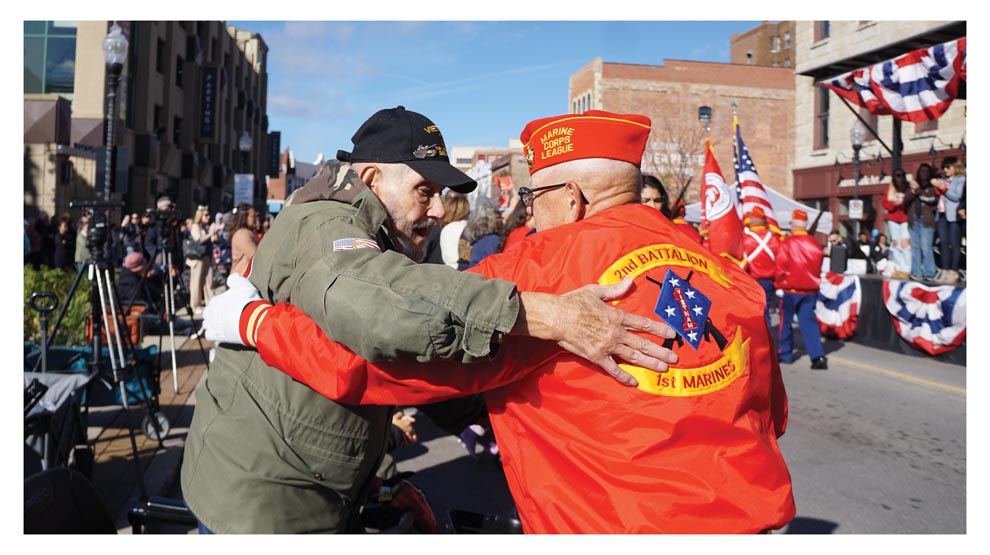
(170, 216)
(99, 229)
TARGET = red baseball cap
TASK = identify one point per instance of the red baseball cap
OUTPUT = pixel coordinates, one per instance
(799, 215)
(593, 134)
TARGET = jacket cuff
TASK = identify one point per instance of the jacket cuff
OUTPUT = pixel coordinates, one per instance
(483, 334)
(251, 318)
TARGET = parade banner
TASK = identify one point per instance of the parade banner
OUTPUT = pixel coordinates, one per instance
(837, 309)
(932, 319)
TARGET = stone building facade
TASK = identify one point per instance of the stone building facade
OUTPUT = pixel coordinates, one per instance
(823, 153)
(189, 92)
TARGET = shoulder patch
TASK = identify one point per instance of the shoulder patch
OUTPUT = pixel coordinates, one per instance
(355, 243)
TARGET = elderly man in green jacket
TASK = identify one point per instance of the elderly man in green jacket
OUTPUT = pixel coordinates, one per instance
(267, 454)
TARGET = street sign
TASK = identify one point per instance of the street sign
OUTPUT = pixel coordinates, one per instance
(856, 209)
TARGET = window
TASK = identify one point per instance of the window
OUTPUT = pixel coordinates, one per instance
(774, 44)
(50, 57)
(821, 30)
(157, 125)
(821, 118)
(160, 57)
(787, 62)
(749, 57)
(177, 130)
(178, 71)
(787, 39)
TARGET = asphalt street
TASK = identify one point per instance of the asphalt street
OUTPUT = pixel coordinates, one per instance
(876, 444)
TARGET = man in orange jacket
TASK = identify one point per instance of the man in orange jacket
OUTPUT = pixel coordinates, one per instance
(760, 246)
(799, 268)
(690, 450)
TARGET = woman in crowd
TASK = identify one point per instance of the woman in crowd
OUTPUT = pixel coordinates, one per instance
(456, 209)
(201, 267)
(243, 237)
(919, 203)
(65, 246)
(895, 222)
(655, 195)
(948, 225)
(518, 225)
(482, 235)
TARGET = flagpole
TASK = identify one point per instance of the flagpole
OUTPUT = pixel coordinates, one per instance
(735, 165)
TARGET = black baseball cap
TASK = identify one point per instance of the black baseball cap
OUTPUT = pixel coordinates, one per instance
(399, 135)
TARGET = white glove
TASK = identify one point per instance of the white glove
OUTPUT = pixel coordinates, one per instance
(779, 292)
(222, 316)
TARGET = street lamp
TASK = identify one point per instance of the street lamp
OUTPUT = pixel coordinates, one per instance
(114, 52)
(705, 116)
(856, 136)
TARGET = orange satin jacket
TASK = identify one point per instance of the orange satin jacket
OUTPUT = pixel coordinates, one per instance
(691, 450)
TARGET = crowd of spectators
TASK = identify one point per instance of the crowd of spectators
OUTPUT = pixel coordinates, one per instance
(137, 242)
(925, 226)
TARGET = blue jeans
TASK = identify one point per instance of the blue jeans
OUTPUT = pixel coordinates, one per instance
(922, 254)
(950, 239)
(900, 255)
(767, 285)
(804, 305)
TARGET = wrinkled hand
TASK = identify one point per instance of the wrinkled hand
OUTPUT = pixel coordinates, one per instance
(405, 422)
(597, 331)
(222, 316)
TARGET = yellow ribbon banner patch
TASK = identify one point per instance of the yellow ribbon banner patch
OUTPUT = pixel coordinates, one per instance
(689, 382)
(652, 256)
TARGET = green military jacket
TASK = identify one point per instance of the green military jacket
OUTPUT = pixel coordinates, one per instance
(266, 454)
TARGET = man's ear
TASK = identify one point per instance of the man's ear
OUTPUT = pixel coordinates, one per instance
(369, 175)
(576, 207)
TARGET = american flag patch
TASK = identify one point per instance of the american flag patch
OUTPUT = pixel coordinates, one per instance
(353, 243)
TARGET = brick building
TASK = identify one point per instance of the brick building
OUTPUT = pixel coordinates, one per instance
(671, 95)
(767, 44)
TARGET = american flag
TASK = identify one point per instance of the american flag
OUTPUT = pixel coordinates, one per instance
(751, 193)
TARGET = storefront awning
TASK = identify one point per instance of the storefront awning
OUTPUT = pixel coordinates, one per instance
(917, 86)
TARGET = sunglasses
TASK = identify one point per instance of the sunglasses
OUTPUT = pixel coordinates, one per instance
(527, 195)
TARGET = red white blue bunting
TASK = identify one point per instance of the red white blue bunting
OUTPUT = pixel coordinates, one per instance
(918, 86)
(932, 319)
(837, 309)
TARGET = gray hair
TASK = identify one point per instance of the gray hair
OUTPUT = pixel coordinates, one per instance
(485, 220)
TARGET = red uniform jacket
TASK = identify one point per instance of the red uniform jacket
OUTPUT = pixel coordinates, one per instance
(799, 264)
(688, 229)
(692, 450)
(761, 246)
(894, 212)
(515, 236)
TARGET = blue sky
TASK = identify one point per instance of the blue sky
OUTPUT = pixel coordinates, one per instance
(479, 81)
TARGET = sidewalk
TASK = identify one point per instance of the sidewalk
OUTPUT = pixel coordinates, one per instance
(115, 475)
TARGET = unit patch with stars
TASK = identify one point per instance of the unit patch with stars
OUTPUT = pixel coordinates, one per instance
(683, 307)
(718, 359)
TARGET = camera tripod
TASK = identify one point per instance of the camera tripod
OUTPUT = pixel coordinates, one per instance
(166, 247)
(104, 308)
